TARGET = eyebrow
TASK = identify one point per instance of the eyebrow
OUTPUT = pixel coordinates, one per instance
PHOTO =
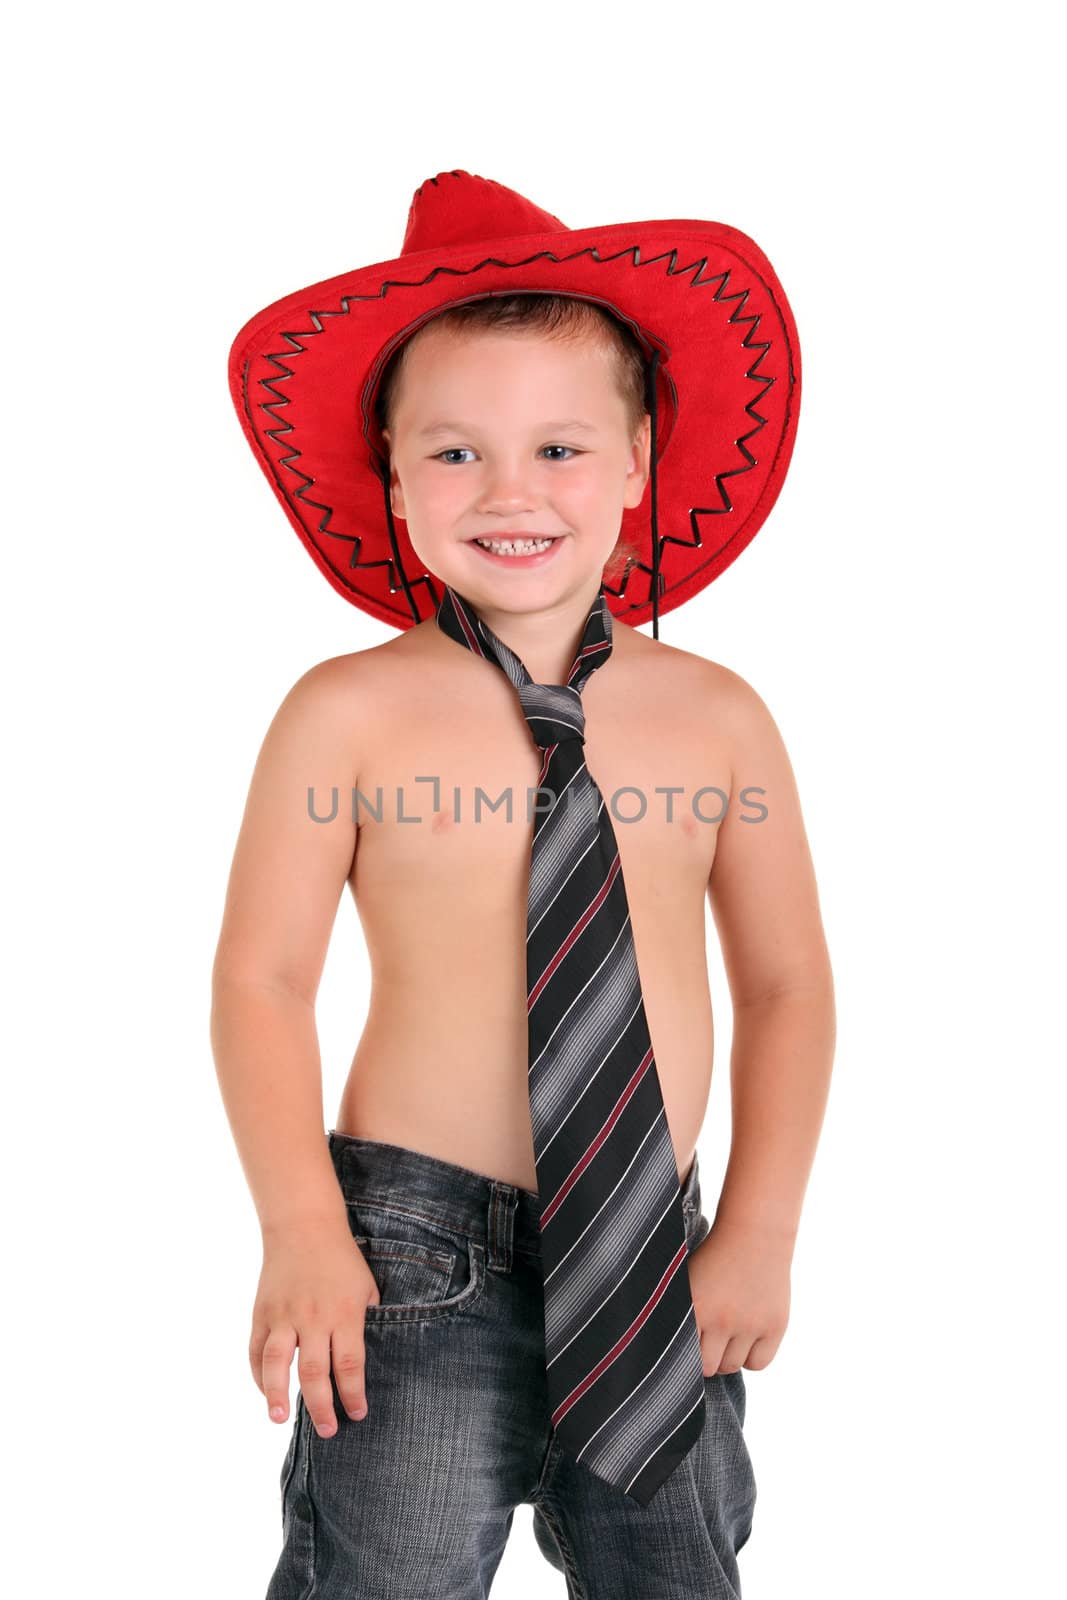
(574, 425)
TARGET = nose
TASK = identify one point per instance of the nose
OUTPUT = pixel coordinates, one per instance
(507, 488)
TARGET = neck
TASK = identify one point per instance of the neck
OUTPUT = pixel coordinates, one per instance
(546, 642)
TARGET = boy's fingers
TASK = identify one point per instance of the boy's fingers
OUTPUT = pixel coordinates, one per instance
(712, 1346)
(256, 1340)
(349, 1367)
(277, 1359)
(314, 1369)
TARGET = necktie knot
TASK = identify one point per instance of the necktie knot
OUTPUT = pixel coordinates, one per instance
(554, 712)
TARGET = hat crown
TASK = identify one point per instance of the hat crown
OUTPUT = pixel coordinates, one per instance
(457, 208)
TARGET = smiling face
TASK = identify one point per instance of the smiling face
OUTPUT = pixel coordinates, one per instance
(513, 436)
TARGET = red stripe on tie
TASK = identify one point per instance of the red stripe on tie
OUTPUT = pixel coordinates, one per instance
(590, 650)
(616, 1112)
(630, 1334)
(583, 922)
(472, 639)
(549, 752)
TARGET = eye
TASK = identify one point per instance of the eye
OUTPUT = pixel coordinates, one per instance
(461, 449)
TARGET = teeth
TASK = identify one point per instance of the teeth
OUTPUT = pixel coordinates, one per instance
(514, 547)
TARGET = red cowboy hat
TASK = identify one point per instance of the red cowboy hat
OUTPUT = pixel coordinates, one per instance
(702, 299)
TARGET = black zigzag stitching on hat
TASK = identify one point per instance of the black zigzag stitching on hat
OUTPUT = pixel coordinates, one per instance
(456, 172)
(397, 577)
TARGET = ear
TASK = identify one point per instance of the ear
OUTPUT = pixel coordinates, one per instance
(396, 493)
(638, 471)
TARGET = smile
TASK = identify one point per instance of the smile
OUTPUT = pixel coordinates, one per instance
(524, 550)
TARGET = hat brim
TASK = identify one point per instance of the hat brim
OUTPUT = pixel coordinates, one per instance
(304, 372)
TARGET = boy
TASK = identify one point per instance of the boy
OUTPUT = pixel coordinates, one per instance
(498, 1291)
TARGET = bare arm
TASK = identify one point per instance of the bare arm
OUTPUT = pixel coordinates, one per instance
(287, 877)
(764, 900)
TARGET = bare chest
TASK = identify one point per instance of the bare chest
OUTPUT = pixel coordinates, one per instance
(449, 789)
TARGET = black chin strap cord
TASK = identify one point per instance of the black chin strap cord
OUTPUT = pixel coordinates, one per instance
(396, 564)
(653, 366)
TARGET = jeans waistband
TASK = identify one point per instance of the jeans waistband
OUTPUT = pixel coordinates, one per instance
(503, 1217)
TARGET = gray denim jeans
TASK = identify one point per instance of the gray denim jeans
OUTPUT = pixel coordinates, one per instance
(416, 1501)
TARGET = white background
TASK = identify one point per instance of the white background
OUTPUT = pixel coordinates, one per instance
(172, 171)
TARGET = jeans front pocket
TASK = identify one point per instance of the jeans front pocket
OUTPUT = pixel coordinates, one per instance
(422, 1271)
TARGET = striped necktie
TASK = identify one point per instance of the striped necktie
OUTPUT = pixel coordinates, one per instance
(622, 1348)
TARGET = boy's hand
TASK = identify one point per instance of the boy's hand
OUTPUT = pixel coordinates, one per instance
(740, 1285)
(313, 1291)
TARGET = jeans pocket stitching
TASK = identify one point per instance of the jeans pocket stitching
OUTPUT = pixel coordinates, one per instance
(377, 1247)
(431, 1311)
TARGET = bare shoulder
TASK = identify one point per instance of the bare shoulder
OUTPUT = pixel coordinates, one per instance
(751, 738)
(297, 839)
(742, 714)
(338, 677)
(762, 887)
(708, 692)
(335, 701)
